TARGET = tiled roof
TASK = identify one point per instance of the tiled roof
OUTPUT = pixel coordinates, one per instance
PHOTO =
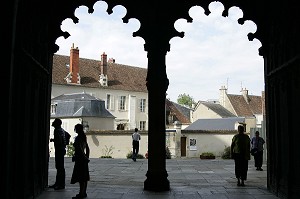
(244, 109)
(218, 109)
(177, 112)
(120, 77)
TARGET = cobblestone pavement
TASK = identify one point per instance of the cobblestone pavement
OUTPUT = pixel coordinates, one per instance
(189, 179)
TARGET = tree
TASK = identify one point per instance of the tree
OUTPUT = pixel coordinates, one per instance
(185, 99)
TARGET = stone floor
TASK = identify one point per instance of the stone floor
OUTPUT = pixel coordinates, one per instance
(189, 179)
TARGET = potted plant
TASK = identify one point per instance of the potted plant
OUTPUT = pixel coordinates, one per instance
(207, 155)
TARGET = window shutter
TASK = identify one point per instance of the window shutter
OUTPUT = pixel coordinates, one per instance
(112, 102)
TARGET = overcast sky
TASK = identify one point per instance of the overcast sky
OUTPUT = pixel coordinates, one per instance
(215, 50)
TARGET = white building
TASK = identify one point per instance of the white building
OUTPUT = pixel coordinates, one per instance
(121, 87)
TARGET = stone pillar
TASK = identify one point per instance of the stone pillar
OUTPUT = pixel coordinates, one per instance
(157, 84)
(177, 126)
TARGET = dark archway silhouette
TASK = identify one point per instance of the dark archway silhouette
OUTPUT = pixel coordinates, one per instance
(32, 30)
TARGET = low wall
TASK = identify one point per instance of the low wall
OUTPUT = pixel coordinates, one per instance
(116, 143)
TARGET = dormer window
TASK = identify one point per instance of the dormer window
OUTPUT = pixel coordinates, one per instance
(53, 109)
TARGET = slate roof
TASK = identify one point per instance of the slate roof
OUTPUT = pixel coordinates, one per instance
(218, 109)
(244, 109)
(79, 105)
(120, 77)
(215, 123)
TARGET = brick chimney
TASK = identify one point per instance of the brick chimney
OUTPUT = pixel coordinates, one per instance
(103, 64)
(74, 65)
(103, 70)
(111, 60)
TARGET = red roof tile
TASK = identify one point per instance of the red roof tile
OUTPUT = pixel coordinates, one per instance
(120, 77)
(243, 108)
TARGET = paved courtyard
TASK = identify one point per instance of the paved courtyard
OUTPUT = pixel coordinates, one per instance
(189, 179)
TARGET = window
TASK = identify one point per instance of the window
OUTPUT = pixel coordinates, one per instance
(109, 102)
(142, 125)
(121, 127)
(122, 102)
(142, 105)
(53, 109)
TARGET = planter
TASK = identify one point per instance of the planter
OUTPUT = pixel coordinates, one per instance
(207, 157)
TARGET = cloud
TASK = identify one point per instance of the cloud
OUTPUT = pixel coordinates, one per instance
(215, 50)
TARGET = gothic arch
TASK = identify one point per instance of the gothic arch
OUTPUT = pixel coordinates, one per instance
(32, 30)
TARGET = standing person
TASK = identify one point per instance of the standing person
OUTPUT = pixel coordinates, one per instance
(60, 152)
(258, 144)
(81, 158)
(136, 137)
(240, 152)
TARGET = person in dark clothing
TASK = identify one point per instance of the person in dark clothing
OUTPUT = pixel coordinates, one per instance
(60, 152)
(240, 152)
(136, 137)
(81, 158)
(258, 144)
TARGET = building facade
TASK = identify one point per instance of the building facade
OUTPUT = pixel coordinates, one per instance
(121, 87)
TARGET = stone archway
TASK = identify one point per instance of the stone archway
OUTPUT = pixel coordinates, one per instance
(32, 31)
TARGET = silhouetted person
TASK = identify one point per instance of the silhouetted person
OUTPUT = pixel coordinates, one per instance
(258, 143)
(81, 159)
(240, 152)
(136, 137)
(60, 152)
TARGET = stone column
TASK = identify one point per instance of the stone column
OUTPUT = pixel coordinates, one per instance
(157, 84)
(177, 126)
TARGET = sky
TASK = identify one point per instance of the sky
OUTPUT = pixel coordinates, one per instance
(214, 52)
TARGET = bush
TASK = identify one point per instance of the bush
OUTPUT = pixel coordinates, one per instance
(168, 153)
(70, 150)
(105, 156)
(207, 154)
(139, 156)
(226, 153)
(108, 151)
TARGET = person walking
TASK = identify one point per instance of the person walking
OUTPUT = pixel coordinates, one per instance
(257, 143)
(136, 137)
(60, 152)
(81, 158)
(240, 152)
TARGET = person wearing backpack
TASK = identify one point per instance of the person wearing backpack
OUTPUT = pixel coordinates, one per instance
(60, 152)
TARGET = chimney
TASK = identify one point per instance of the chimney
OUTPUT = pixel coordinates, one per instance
(103, 64)
(74, 65)
(245, 95)
(111, 60)
(223, 93)
(103, 70)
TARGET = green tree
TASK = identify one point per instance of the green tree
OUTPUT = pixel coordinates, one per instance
(185, 99)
